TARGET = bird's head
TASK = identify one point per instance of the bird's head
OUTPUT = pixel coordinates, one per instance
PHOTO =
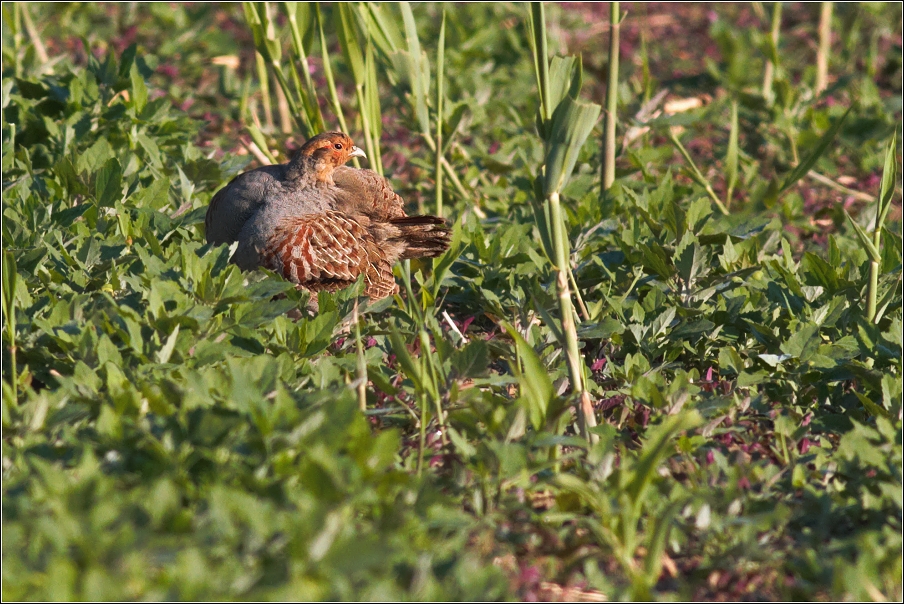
(327, 151)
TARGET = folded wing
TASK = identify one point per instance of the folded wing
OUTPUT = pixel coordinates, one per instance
(328, 251)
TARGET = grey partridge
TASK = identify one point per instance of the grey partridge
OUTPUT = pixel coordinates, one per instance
(321, 224)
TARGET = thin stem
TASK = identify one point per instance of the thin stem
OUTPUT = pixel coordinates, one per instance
(539, 17)
(40, 51)
(825, 47)
(427, 349)
(696, 174)
(586, 418)
(422, 444)
(440, 61)
(264, 82)
(825, 180)
(361, 363)
(769, 71)
(872, 292)
(9, 316)
(611, 98)
(285, 116)
(450, 172)
(314, 118)
(577, 294)
(365, 127)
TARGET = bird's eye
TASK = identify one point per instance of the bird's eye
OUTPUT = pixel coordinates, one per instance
(338, 146)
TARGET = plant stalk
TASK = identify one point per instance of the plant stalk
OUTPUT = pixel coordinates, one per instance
(825, 47)
(361, 388)
(872, 292)
(769, 71)
(611, 98)
(264, 81)
(440, 64)
(586, 418)
(696, 174)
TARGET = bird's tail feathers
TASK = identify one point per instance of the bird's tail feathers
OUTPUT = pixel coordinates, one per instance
(424, 236)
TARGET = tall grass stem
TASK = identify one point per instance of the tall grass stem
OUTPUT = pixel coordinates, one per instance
(440, 74)
(824, 48)
(611, 98)
(769, 70)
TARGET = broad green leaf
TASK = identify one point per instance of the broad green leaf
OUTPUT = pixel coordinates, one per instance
(139, 90)
(565, 79)
(536, 387)
(108, 187)
(572, 123)
(346, 31)
(802, 344)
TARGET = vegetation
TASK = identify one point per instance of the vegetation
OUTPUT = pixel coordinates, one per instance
(683, 385)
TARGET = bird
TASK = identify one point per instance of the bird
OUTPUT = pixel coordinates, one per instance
(321, 224)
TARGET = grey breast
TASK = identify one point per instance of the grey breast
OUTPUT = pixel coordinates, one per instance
(241, 199)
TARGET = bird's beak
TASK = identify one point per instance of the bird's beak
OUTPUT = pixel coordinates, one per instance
(356, 152)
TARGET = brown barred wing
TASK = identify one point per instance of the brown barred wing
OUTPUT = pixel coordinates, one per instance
(328, 251)
(366, 192)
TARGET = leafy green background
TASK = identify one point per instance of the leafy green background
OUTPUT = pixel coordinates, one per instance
(172, 433)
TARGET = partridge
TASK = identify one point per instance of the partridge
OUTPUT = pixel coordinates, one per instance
(321, 224)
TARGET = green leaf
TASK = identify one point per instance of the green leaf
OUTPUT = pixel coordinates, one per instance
(9, 294)
(347, 33)
(565, 79)
(572, 123)
(164, 354)
(408, 365)
(871, 407)
(731, 155)
(866, 243)
(656, 448)
(802, 344)
(889, 179)
(536, 387)
(418, 69)
(108, 186)
(689, 259)
(139, 90)
(382, 29)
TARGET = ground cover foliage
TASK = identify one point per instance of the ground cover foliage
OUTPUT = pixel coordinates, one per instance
(171, 430)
